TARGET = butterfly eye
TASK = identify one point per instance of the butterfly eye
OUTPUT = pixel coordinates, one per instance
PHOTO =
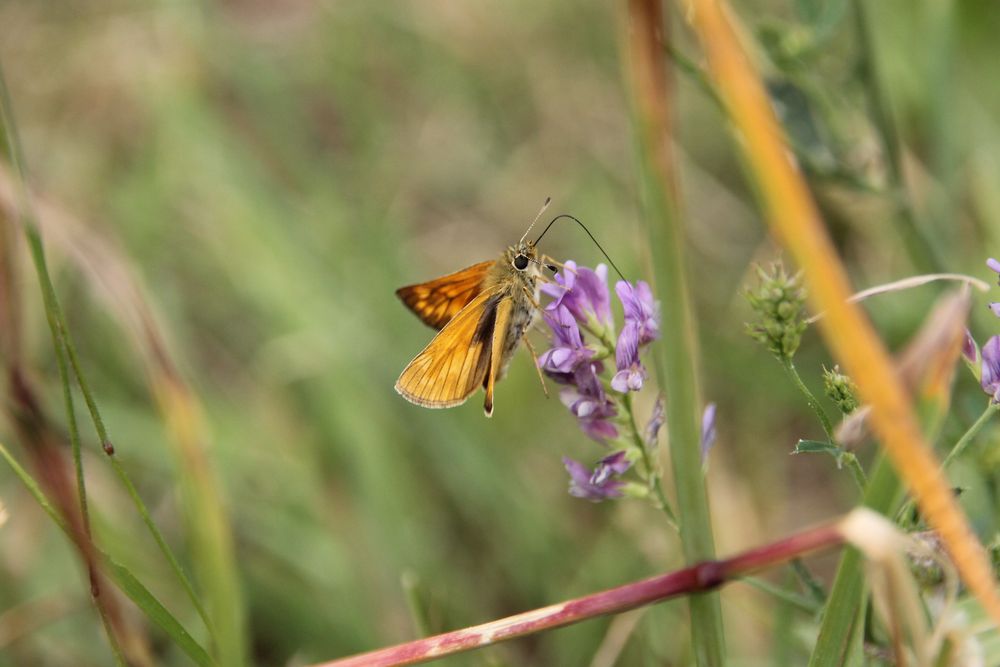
(520, 262)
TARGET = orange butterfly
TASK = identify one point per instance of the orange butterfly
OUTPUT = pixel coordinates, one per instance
(483, 313)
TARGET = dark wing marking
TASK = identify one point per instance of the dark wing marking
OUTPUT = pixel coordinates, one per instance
(437, 301)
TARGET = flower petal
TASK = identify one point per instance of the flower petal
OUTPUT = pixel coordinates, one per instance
(990, 377)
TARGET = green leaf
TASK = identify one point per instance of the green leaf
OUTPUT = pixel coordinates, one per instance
(155, 611)
(121, 575)
(813, 446)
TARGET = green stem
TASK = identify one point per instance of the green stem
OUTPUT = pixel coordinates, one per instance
(652, 476)
(410, 582)
(906, 514)
(845, 458)
(643, 45)
(968, 436)
(854, 467)
(824, 420)
(814, 587)
(60, 332)
(13, 148)
(676, 357)
(125, 580)
(798, 601)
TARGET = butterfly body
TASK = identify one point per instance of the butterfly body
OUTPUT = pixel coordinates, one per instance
(483, 313)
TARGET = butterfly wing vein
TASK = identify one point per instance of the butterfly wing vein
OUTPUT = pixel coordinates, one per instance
(456, 361)
(436, 302)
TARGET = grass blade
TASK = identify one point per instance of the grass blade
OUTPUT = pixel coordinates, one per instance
(121, 575)
(677, 355)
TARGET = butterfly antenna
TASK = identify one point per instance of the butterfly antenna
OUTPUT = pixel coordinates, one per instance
(548, 200)
(567, 215)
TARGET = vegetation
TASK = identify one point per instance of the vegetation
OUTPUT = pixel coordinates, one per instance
(206, 209)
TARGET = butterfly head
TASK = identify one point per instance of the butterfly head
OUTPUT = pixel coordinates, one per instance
(523, 255)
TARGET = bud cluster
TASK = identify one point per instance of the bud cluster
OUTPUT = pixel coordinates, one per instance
(779, 303)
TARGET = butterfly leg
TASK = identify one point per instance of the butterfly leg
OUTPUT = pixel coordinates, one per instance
(531, 298)
(538, 369)
(549, 281)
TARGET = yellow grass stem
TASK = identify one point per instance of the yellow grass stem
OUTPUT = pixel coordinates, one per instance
(795, 220)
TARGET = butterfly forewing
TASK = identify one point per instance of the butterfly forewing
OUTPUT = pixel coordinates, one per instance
(456, 362)
(437, 301)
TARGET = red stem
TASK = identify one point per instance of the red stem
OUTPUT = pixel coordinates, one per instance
(694, 579)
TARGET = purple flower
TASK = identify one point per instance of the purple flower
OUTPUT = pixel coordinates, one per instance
(990, 378)
(656, 421)
(568, 351)
(584, 292)
(640, 310)
(994, 265)
(599, 484)
(707, 431)
(589, 404)
(631, 373)
(995, 307)
(641, 327)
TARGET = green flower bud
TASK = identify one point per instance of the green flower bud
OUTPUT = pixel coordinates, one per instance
(840, 389)
(779, 304)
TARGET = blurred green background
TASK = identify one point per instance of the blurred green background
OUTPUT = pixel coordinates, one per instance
(272, 171)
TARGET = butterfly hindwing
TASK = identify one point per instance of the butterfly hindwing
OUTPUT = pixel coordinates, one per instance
(456, 361)
(437, 301)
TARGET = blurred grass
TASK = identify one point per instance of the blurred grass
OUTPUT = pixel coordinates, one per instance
(274, 171)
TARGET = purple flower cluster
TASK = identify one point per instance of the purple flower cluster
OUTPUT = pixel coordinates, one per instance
(582, 302)
(581, 299)
(583, 338)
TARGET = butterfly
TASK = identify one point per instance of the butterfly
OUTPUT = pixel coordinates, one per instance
(482, 313)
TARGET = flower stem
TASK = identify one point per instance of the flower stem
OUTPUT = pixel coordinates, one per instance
(797, 600)
(854, 466)
(814, 587)
(905, 513)
(652, 476)
(968, 436)
(811, 399)
(845, 458)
